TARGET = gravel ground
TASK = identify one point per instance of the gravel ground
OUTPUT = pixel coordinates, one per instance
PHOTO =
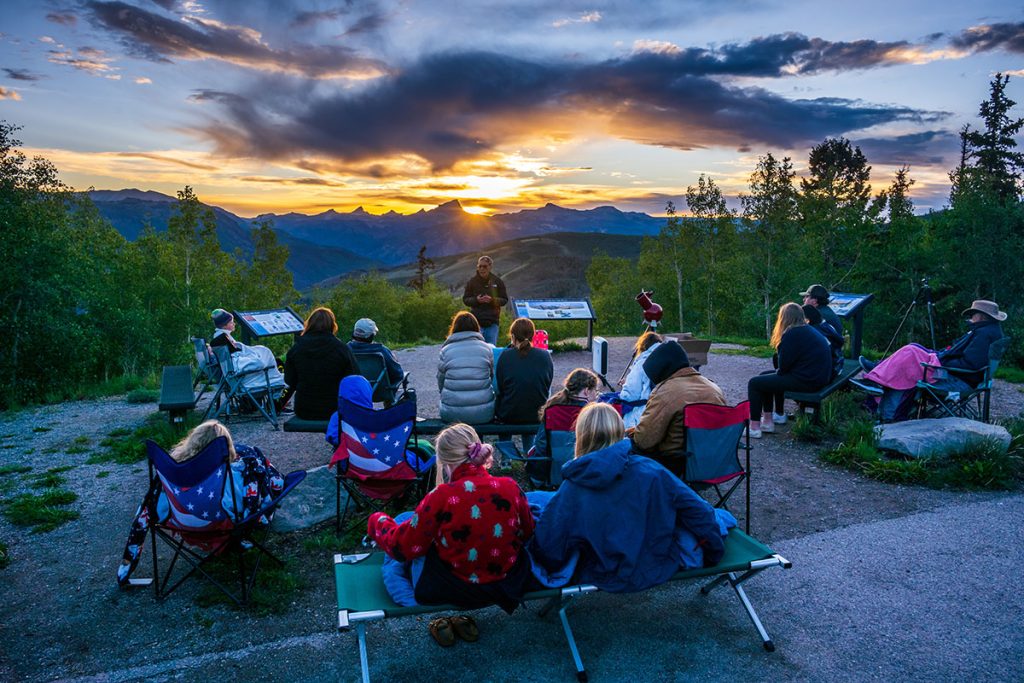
(865, 572)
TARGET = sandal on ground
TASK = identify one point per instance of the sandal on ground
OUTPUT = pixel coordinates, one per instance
(441, 631)
(465, 628)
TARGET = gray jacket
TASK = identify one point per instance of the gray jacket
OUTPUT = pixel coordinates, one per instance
(464, 379)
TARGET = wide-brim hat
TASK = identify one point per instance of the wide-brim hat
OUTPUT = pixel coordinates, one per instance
(989, 308)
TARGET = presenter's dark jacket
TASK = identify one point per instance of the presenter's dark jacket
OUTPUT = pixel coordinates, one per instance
(314, 367)
(492, 286)
(805, 354)
(523, 385)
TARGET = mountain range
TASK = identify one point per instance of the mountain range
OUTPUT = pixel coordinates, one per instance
(331, 244)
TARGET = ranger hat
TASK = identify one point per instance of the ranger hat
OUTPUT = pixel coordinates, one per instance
(989, 308)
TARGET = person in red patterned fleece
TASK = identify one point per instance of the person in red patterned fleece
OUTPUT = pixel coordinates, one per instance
(470, 529)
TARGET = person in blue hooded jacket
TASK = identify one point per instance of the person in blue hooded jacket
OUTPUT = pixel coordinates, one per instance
(624, 520)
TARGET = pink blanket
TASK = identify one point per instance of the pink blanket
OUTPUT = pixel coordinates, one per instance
(902, 370)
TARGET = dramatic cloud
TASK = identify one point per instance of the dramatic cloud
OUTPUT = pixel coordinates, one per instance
(88, 59)
(21, 75)
(63, 18)
(8, 94)
(933, 147)
(158, 38)
(983, 38)
(455, 107)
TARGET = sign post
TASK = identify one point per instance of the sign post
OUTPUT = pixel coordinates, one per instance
(559, 310)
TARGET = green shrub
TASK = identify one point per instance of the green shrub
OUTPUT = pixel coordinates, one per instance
(143, 396)
(43, 512)
(129, 448)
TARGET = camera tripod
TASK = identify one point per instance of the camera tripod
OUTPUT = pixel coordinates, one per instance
(923, 294)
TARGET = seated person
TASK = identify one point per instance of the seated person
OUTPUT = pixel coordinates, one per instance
(469, 530)
(818, 297)
(245, 358)
(363, 334)
(578, 389)
(834, 339)
(315, 364)
(804, 364)
(901, 371)
(660, 431)
(464, 372)
(623, 520)
(254, 482)
(636, 388)
(356, 389)
(524, 378)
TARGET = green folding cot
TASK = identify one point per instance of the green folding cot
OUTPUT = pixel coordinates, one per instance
(362, 597)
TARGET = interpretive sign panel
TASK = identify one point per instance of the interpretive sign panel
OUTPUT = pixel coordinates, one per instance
(268, 323)
(553, 309)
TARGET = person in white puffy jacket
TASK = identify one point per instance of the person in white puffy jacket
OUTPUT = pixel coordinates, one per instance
(637, 386)
(464, 373)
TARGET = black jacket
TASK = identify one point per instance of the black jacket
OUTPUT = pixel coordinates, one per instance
(486, 314)
(523, 385)
(805, 354)
(970, 352)
(835, 342)
(314, 367)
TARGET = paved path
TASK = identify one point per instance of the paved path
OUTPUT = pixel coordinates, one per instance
(930, 596)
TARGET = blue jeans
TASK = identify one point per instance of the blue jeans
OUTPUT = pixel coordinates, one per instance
(490, 334)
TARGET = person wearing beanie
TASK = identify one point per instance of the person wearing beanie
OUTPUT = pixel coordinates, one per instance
(660, 431)
(363, 334)
(244, 357)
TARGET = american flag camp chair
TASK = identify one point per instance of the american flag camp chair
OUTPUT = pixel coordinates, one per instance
(377, 460)
(205, 522)
(714, 437)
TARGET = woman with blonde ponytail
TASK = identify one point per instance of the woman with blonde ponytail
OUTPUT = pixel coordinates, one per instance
(524, 375)
(470, 530)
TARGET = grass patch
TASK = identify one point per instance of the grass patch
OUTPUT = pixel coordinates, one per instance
(43, 512)
(5, 555)
(120, 431)
(128, 446)
(142, 396)
(1010, 374)
(47, 480)
(7, 446)
(755, 351)
(272, 593)
(102, 474)
(566, 346)
(40, 430)
(329, 541)
(14, 469)
(112, 387)
(76, 450)
(82, 441)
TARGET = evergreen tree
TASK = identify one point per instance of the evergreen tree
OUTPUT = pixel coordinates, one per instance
(712, 231)
(424, 266)
(992, 149)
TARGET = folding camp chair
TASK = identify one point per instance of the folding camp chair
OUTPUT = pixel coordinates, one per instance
(237, 392)
(933, 401)
(714, 437)
(198, 528)
(371, 460)
(545, 469)
(207, 372)
(374, 368)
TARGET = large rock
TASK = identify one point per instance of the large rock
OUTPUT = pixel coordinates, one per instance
(310, 503)
(939, 438)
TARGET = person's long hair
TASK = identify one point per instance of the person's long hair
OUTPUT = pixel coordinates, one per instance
(320, 320)
(790, 315)
(646, 341)
(463, 321)
(460, 444)
(520, 335)
(598, 426)
(574, 384)
(201, 437)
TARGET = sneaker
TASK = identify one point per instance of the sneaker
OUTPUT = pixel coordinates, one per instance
(767, 426)
(866, 365)
(779, 419)
(755, 433)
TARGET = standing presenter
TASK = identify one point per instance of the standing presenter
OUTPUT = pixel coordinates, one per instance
(485, 295)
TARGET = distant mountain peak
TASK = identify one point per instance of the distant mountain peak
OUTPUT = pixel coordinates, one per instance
(453, 205)
(358, 211)
(130, 193)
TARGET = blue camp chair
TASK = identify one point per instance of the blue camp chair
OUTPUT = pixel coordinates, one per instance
(237, 392)
(714, 437)
(198, 528)
(934, 401)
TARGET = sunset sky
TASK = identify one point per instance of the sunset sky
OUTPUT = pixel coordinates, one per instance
(291, 105)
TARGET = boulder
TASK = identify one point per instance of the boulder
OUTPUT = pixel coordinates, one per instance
(310, 503)
(939, 438)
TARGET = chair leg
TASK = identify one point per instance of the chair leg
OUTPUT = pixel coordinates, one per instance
(766, 640)
(581, 674)
(364, 663)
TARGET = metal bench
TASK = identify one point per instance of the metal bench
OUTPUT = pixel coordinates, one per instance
(814, 399)
(176, 395)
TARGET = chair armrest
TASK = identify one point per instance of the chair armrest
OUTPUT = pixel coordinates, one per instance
(956, 371)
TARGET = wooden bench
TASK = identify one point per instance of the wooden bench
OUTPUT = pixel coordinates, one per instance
(813, 399)
(176, 395)
(424, 427)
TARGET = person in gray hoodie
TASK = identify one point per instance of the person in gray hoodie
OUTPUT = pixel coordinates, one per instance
(464, 373)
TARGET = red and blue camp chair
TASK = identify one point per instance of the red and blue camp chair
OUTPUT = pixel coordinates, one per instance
(545, 469)
(714, 437)
(377, 459)
(198, 528)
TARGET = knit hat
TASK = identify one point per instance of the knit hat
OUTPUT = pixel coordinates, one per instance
(221, 317)
(364, 329)
(665, 361)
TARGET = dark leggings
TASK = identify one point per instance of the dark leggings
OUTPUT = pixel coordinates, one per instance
(766, 392)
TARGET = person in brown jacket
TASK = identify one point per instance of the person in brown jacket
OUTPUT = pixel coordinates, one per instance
(660, 432)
